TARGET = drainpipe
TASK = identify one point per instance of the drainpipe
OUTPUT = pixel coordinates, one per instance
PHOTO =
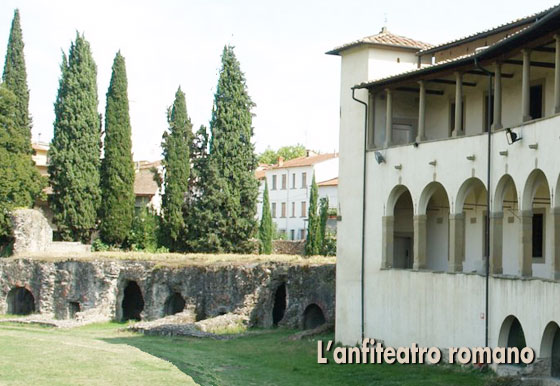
(487, 235)
(363, 210)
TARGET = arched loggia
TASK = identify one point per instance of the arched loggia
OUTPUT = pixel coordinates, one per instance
(504, 223)
(398, 230)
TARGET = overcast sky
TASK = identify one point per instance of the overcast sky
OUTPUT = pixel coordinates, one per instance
(280, 45)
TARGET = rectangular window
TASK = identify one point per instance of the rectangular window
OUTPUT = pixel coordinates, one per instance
(273, 182)
(303, 208)
(536, 101)
(538, 234)
(273, 210)
(284, 181)
(283, 210)
(301, 234)
(293, 209)
(303, 180)
(292, 234)
(293, 180)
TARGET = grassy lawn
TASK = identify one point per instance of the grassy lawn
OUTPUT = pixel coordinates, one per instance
(102, 355)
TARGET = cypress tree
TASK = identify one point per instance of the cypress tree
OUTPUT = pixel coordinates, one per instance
(226, 210)
(20, 183)
(75, 149)
(15, 80)
(312, 240)
(266, 228)
(323, 216)
(117, 167)
(176, 145)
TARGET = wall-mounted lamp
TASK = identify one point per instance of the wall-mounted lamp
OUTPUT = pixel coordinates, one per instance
(512, 137)
(415, 144)
(471, 157)
(379, 157)
(398, 167)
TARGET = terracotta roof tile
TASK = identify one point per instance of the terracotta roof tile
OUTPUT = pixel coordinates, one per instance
(305, 161)
(144, 184)
(384, 38)
(331, 182)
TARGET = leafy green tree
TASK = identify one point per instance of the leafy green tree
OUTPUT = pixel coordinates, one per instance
(144, 231)
(270, 156)
(117, 167)
(312, 243)
(323, 217)
(228, 188)
(21, 183)
(76, 146)
(15, 80)
(266, 229)
(176, 145)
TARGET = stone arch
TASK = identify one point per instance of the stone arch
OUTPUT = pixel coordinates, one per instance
(431, 244)
(505, 226)
(550, 348)
(20, 301)
(174, 304)
(534, 215)
(313, 317)
(280, 303)
(398, 229)
(472, 186)
(511, 333)
(132, 303)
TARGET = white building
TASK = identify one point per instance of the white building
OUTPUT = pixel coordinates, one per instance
(289, 186)
(413, 268)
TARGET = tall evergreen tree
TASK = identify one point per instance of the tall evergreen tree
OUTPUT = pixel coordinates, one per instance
(323, 217)
(176, 145)
(15, 80)
(227, 206)
(75, 149)
(117, 167)
(312, 240)
(20, 183)
(266, 229)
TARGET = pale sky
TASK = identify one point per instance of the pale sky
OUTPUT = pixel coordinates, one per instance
(280, 45)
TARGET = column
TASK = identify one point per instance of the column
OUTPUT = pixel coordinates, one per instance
(496, 239)
(422, 113)
(371, 120)
(389, 118)
(526, 86)
(420, 234)
(458, 105)
(557, 75)
(456, 242)
(556, 243)
(388, 242)
(497, 124)
(526, 243)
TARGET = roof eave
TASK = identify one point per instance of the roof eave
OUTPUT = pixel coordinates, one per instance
(338, 50)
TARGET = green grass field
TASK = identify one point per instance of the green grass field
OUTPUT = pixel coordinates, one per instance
(102, 355)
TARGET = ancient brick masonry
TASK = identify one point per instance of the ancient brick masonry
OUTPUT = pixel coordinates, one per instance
(95, 289)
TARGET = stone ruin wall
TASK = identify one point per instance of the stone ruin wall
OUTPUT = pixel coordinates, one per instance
(208, 290)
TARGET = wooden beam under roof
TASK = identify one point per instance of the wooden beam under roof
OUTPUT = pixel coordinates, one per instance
(417, 90)
(447, 81)
(481, 73)
(545, 49)
(533, 63)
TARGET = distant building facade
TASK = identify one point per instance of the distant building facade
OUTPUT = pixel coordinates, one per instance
(289, 186)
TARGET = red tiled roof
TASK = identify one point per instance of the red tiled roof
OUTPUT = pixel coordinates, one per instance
(305, 161)
(384, 38)
(331, 182)
(144, 184)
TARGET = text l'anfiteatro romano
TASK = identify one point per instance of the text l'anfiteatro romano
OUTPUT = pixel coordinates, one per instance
(375, 353)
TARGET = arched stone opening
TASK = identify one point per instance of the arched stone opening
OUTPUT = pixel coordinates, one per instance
(20, 301)
(505, 228)
(468, 226)
(174, 304)
(133, 302)
(73, 309)
(313, 317)
(536, 224)
(398, 229)
(511, 334)
(431, 229)
(550, 348)
(280, 301)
